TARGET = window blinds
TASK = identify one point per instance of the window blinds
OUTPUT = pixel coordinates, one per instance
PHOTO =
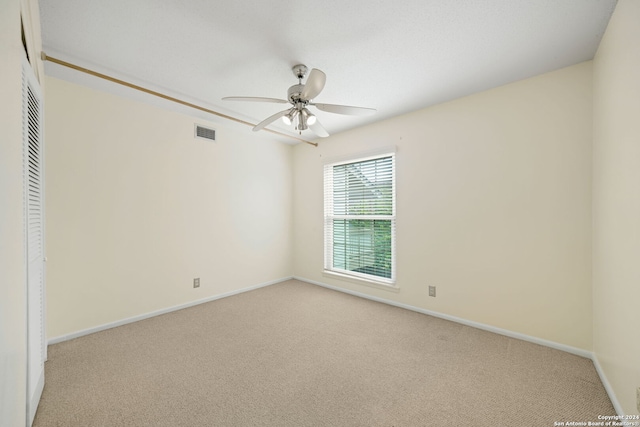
(360, 218)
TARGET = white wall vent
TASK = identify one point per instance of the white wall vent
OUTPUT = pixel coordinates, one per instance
(205, 133)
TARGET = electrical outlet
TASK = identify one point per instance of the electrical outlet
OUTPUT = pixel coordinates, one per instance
(196, 282)
(432, 291)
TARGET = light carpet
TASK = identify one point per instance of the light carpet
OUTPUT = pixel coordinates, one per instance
(296, 354)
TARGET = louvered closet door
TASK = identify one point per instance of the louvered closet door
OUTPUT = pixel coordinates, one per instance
(32, 118)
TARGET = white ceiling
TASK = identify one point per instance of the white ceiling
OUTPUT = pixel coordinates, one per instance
(395, 56)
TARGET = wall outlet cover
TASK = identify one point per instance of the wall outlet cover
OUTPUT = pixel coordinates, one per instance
(196, 282)
(432, 291)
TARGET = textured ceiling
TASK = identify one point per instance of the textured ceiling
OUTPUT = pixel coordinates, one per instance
(395, 56)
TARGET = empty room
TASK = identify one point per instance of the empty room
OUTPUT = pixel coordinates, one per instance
(319, 214)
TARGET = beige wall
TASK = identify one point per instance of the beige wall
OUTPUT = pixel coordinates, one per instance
(12, 250)
(616, 204)
(137, 208)
(12, 265)
(493, 206)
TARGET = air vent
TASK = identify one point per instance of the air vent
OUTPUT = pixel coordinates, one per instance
(205, 133)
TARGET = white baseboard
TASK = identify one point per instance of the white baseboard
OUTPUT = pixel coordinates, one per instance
(159, 312)
(506, 332)
(569, 349)
(607, 385)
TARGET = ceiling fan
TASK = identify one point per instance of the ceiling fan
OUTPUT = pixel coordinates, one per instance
(300, 96)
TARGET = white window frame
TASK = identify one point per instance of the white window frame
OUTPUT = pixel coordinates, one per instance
(329, 216)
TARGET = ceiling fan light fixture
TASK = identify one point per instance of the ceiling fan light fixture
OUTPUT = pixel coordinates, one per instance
(310, 118)
(288, 118)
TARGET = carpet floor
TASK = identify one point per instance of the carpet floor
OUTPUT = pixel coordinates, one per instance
(296, 354)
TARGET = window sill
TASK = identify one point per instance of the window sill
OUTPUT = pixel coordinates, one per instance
(392, 287)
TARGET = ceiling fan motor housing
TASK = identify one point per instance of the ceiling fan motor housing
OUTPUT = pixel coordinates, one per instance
(294, 94)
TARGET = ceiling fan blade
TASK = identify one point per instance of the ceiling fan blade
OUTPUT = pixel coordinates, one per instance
(315, 84)
(269, 120)
(319, 130)
(345, 109)
(254, 99)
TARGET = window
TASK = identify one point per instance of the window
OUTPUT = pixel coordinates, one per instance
(359, 218)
